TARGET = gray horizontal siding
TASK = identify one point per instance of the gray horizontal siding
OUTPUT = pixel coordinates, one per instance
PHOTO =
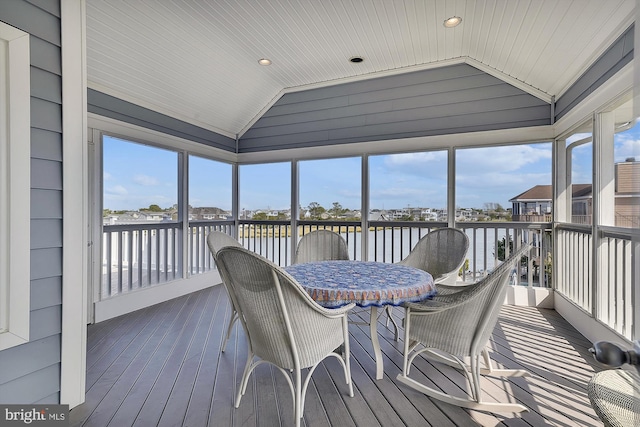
(30, 373)
(439, 101)
(46, 145)
(46, 174)
(34, 387)
(115, 108)
(33, 19)
(619, 54)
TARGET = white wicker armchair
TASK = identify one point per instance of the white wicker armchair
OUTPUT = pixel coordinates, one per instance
(441, 253)
(217, 240)
(284, 326)
(457, 327)
(615, 393)
(321, 245)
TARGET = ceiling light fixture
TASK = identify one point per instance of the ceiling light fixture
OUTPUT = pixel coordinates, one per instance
(454, 21)
(264, 61)
(356, 59)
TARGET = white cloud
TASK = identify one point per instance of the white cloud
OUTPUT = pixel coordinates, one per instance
(628, 148)
(502, 159)
(415, 158)
(145, 180)
(117, 190)
(107, 176)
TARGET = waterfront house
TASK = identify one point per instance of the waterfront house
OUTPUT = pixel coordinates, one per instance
(534, 204)
(184, 76)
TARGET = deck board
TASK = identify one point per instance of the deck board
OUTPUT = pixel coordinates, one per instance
(163, 366)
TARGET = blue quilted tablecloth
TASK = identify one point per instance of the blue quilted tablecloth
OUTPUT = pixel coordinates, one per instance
(336, 283)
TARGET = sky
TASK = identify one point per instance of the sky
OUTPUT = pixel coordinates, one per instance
(136, 176)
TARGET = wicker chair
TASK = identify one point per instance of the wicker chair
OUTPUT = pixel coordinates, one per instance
(615, 393)
(441, 253)
(458, 326)
(615, 396)
(321, 245)
(284, 326)
(217, 240)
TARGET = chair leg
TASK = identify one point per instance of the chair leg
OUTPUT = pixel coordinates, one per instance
(234, 317)
(472, 375)
(245, 378)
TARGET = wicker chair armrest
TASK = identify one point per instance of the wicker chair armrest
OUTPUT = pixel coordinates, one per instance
(449, 290)
(335, 312)
(434, 305)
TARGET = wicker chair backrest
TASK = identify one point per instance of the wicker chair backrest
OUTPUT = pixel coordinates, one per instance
(321, 245)
(282, 321)
(439, 252)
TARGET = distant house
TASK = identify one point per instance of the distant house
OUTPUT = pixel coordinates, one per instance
(208, 213)
(534, 205)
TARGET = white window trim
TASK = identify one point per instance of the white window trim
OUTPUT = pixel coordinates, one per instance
(15, 212)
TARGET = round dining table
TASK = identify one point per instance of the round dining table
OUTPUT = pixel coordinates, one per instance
(334, 284)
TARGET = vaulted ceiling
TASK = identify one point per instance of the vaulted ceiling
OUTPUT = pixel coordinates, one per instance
(197, 60)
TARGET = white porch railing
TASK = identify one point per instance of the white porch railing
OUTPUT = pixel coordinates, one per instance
(141, 255)
(609, 293)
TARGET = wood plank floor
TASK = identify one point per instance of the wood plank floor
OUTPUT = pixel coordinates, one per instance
(162, 366)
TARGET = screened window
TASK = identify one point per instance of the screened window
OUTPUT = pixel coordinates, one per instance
(408, 187)
(210, 189)
(504, 183)
(580, 167)
(265, 191)
(331, 189)
(626, 153)
(141, 232)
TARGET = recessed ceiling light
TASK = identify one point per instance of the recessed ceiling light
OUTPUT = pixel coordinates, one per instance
(356, 59)
(264, 61)
(454, 21)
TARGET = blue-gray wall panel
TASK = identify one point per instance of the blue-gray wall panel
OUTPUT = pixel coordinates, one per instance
(46, 204)
(46, 322)
(47, 292)
(109, 106)
(46, 85)
(51, 6)
(46, 115)
(382, 83)
(46, 145)
(46, 263)
(430, 102)
(46, 233)
(44, 352)
(46, 174)
(32, 19)
(34, 387)
(617, 56)
(31, 372)
(46, 56)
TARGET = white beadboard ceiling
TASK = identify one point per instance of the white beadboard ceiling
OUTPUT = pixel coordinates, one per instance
(197, 60)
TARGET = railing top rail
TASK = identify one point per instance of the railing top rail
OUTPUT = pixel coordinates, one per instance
(145, 226)
(321, 223)
(416, 224)
(265, 221)
(620, 232)
(506, 224)
(580, 228)
(212, 221)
